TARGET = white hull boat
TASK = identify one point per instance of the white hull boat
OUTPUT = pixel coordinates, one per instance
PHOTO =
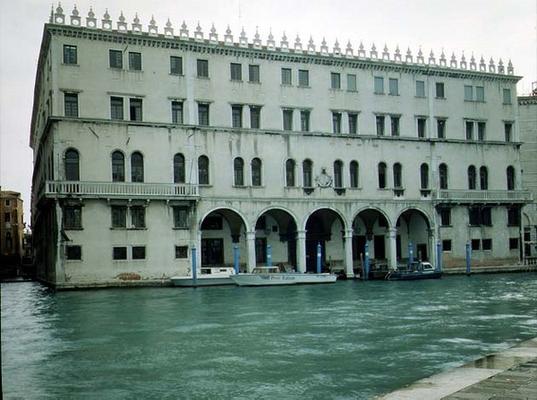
(271, 276)
(207, 277)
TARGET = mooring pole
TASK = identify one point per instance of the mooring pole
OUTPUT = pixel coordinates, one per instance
(468, 258)
(410, 254)
(366, 261)
(269, 255)
(194, 267)
(439, 256)
(319, 253)
(236, 256)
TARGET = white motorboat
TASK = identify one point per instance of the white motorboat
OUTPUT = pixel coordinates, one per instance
(271, 276)
(209, 276)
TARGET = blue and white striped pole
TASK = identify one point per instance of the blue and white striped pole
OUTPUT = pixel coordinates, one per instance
(468, 258)
(236, 256)
(269, 255)
(410, 254)
(194, 266)
(366, 261)
(439, 256)
(319, 253)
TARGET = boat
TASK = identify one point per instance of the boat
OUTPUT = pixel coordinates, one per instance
(417, 270)
(209, 276)
(272, 276)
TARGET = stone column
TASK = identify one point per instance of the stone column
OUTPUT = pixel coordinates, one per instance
(392, 238)
(301, 251)
(432, 247)
(250, 243)
(198, 250)
(349, 271)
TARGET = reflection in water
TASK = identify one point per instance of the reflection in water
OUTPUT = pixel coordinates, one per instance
(347, 340)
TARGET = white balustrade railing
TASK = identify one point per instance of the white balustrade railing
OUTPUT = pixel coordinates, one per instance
(117, 189)
(483, 195)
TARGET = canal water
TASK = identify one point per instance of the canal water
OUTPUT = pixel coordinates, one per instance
(348, 340)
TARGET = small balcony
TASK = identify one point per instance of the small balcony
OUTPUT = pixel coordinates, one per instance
(120, 190)
(482, 196)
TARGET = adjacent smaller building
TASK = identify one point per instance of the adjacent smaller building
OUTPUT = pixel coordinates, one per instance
(11, 228)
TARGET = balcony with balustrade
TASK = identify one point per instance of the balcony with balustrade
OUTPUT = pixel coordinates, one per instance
(482, 196)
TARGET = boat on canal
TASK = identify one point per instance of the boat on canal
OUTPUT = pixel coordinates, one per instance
(272, 276)
(209, 276)
(416, 271)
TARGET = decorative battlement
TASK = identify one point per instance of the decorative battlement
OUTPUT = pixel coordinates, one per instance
(58, 17)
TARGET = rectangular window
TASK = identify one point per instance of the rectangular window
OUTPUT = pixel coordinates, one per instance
(119, 216)
(255, 117)
(479, 93)
(176, 65)
(513, 243)
(286, 76)
(513, 216)
(421, 127)
(351, 83)
(395, 125)
(507, 96)
(440, 91)
(135, 109)
(116, 107)
(303, 78)
(119, 253)
(72, 217)
(445, 216)
(394, 87)
(380, 125)
(181, 251)
(420, 88)
(486, 216)
(203, 68)
(287, 120)
(508, 130)
(115, 58)
(73, 252)
(138, 217)
(474, 216)
(236, 116)
(71, 104)
(180, 217)
(7, 217)
(236, 72)
(203, 114)
(138, 252)
(481, 131)
(177, 112)
(253, 73)
(69, 54)
(336, 122)
(446, 245)
(476, 244)
(487, 244)
(468, 93)
(469, 130)
(135, 61)
(305, 120)
(441, 128)
(379, 85)
(353, 123)
(335, 80)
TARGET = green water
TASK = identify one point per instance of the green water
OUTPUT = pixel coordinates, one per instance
(349, 340)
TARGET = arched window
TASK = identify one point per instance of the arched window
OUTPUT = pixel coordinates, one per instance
(443, 175)
(137, 167)
(72, 169)
(424, 176)
(382, 175)
(472, 185)
(338, 174)
(353, 174)
(178, 168)
(397, 175)
(203, 170)
(483, 178)
(307, 171)
(238, 171)
(290, 173)
(118, 166)
(510, 178)
(256, 172)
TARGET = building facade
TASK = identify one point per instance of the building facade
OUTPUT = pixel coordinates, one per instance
(11, 227)
(150, 144)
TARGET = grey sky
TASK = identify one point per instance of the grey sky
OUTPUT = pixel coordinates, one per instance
(492, 28)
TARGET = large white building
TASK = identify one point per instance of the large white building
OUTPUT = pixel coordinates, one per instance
(149, 143)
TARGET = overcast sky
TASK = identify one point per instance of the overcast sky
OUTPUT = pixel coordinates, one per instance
(492, 28)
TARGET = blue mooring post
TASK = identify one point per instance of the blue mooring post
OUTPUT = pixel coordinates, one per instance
(439, 256)
(236, 256)
(410, 254)
(366, 261)
(319, 251)
(194, 266)
(269, 255)
(468, 258)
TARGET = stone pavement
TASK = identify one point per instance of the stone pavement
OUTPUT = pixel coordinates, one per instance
(508, 375)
